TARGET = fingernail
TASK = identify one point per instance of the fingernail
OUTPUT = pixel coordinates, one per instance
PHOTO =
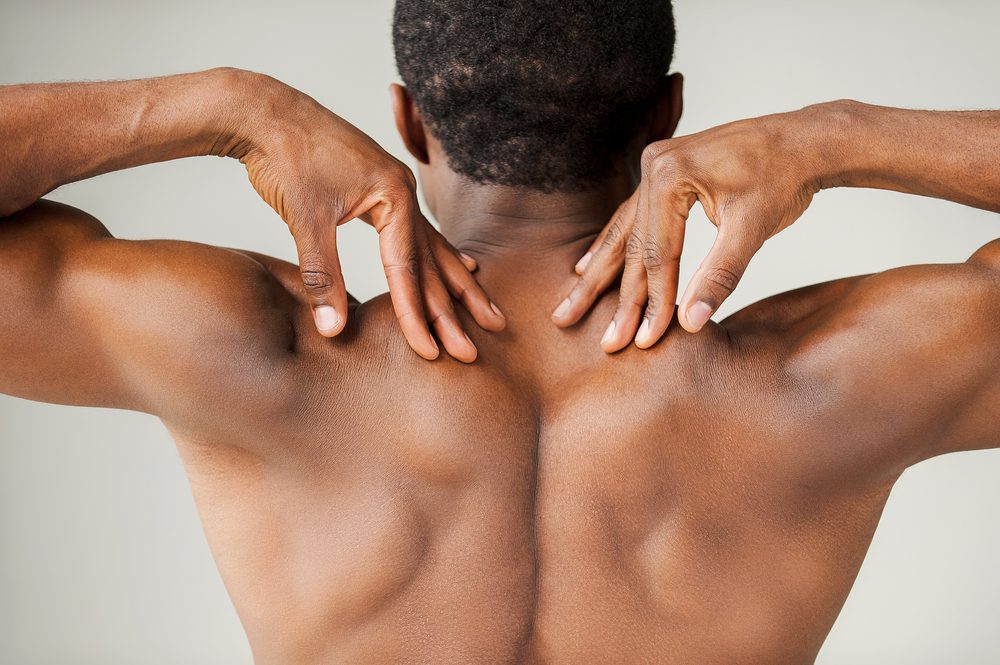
(699, 314)
(562, 309)
(609, 333)
(327, 319)
(467, 258)
(581, 265)
(496, 310)
(469, 340)
(642, 337)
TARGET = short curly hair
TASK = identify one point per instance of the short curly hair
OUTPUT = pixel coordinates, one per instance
(541, 94)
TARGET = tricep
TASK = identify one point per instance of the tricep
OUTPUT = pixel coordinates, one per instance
(907, 361)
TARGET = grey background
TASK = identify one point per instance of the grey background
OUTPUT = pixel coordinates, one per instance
(102, 559)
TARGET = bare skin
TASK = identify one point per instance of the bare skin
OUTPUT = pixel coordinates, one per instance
(706, 501)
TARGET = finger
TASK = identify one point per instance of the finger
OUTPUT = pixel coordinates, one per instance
(633, 293)
(602, 269)
(625, 211)
(470, 263)
(461, 284)
(401, 260)
(718, 275)
(661, 257)
(441, 313)
(322, 279)
(631, 299)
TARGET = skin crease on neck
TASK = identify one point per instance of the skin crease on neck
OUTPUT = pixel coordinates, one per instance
(521, 227)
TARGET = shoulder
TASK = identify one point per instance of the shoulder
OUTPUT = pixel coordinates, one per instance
(184, 323)
(912, 306)
(112, 282)
(884, 367)
(987, 256)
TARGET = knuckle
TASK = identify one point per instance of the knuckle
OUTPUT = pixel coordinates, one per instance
(652, 256)
(396, 198)
(666, 165)
(402, 315)
(633, 249)
(724, 277)
(649, 154)
(437, 316)
(410, 178)
(395, 202)
(409, 267)
(659, 162)
(428, 263)
(438, 305)
(317, 280)
(396, 171)
(400, 180)
(615, 236)
(631, 299)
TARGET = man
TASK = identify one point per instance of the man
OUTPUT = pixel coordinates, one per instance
(703, 498)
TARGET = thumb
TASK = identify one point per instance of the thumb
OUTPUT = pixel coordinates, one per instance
(322, 278)
(717, 277)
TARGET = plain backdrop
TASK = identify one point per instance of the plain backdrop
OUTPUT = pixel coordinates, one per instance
(102, 559)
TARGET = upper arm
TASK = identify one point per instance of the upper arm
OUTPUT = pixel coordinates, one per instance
(906, 363)
(176, 329)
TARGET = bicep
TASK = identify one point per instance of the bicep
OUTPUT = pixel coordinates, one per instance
(169, 328)
(906, 362)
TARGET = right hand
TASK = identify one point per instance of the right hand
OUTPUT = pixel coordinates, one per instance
(318, 171)
(752, 180)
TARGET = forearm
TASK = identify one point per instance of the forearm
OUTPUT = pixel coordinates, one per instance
(53, 134)
(952, 155)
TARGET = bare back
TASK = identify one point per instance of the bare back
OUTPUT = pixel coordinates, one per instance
(547, 504)
(707, 501)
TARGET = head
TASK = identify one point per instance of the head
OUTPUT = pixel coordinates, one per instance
(556, 96)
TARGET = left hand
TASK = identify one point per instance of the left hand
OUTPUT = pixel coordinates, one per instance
(752, 179)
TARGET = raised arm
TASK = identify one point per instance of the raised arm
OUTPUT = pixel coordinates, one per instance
(907, 362)
(908, 358)
(53, 134)
(951, 155)
(888, 369)
(313, 168)
(754, 178)
(158, 326)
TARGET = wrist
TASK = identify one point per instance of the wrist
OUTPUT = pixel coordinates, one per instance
(244, 110)
(839, 143)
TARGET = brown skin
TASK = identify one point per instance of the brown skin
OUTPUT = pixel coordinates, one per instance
(707, 501)
(316, 170)
(754, 178)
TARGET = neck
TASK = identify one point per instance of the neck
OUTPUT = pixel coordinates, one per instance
(498, 223)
